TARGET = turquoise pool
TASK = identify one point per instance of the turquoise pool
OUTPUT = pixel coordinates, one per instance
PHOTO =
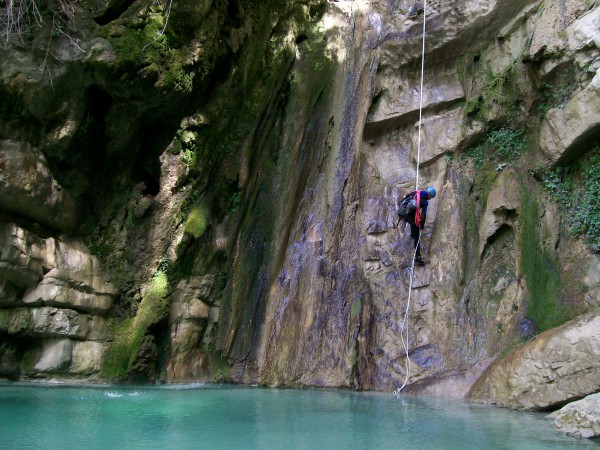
(226, 417)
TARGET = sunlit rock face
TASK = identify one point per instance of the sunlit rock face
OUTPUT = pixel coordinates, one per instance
(54, 299)
(558, 366)
(222, 204)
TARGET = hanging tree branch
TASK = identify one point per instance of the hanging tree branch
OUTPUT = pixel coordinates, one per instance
(18, 16)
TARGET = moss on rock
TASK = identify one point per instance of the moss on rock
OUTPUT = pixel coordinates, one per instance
(542, 273)
(15, 321)
(130, 333)
(197, 220)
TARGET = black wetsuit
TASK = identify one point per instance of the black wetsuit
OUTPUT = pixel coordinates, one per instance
(415, 230)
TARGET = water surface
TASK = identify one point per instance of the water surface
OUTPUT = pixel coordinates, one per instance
(226, 417)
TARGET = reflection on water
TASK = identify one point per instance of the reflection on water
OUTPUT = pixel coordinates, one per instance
(225, 417)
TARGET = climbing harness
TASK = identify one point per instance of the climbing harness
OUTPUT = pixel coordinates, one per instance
(404, 330)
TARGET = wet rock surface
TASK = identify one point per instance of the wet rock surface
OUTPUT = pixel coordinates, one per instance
(222, 204)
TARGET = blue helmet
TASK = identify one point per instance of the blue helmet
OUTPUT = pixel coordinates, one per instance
(431, 191)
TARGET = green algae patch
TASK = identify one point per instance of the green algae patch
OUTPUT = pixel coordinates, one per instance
(356, 308)
(129, 334)
(541, 272)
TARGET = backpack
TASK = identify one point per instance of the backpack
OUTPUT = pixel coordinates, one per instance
(409, 206)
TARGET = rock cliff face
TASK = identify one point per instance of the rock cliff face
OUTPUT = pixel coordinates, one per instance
(208, 192)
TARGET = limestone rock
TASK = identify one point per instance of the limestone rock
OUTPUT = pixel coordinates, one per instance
(75, 280)
(54, 322)
(28, 189)
(87, 357)
(314, 288)
(144, 364)
(583, 39)
(564, 128)
(559, 365)
(8, 295)
(196, 287)
(376, 215)
(21, 256)
(400, 98)
(189, 366)
(97, 328)
(75, 265)
(440, 134)
(185, 335)
(391, 161)
(501, 206)
(195, 309)
(548, 40)
(581, 418)
(420, 277)
(56, 355)
(55, 292)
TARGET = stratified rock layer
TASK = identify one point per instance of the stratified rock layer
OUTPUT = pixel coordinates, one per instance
(215, 199)
(558, 366)
(581, 418)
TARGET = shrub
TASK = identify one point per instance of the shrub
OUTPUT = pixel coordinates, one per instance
(581, 200)
(501, 146)
(509, 143)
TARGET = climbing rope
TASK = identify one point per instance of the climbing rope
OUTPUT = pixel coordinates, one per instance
(405, 324)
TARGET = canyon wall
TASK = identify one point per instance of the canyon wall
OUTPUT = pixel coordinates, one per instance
(208, 192)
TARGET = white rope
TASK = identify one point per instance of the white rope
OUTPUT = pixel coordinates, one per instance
(405, 323)
(421, 95)
(161, 32)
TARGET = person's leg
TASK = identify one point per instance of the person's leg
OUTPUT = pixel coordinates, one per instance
(414, 233)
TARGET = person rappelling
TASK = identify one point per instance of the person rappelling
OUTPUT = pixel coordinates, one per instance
(413, 210)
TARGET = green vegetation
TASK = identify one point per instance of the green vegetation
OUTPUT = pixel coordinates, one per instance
(15, 321)
(500, 94)
(581, 201)
(129, 335)
(541, 273)
(472, 106)
(501, 147)
(4, 320)
(510, 144)
(558, 93)
(146, 42)
(197, 220)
